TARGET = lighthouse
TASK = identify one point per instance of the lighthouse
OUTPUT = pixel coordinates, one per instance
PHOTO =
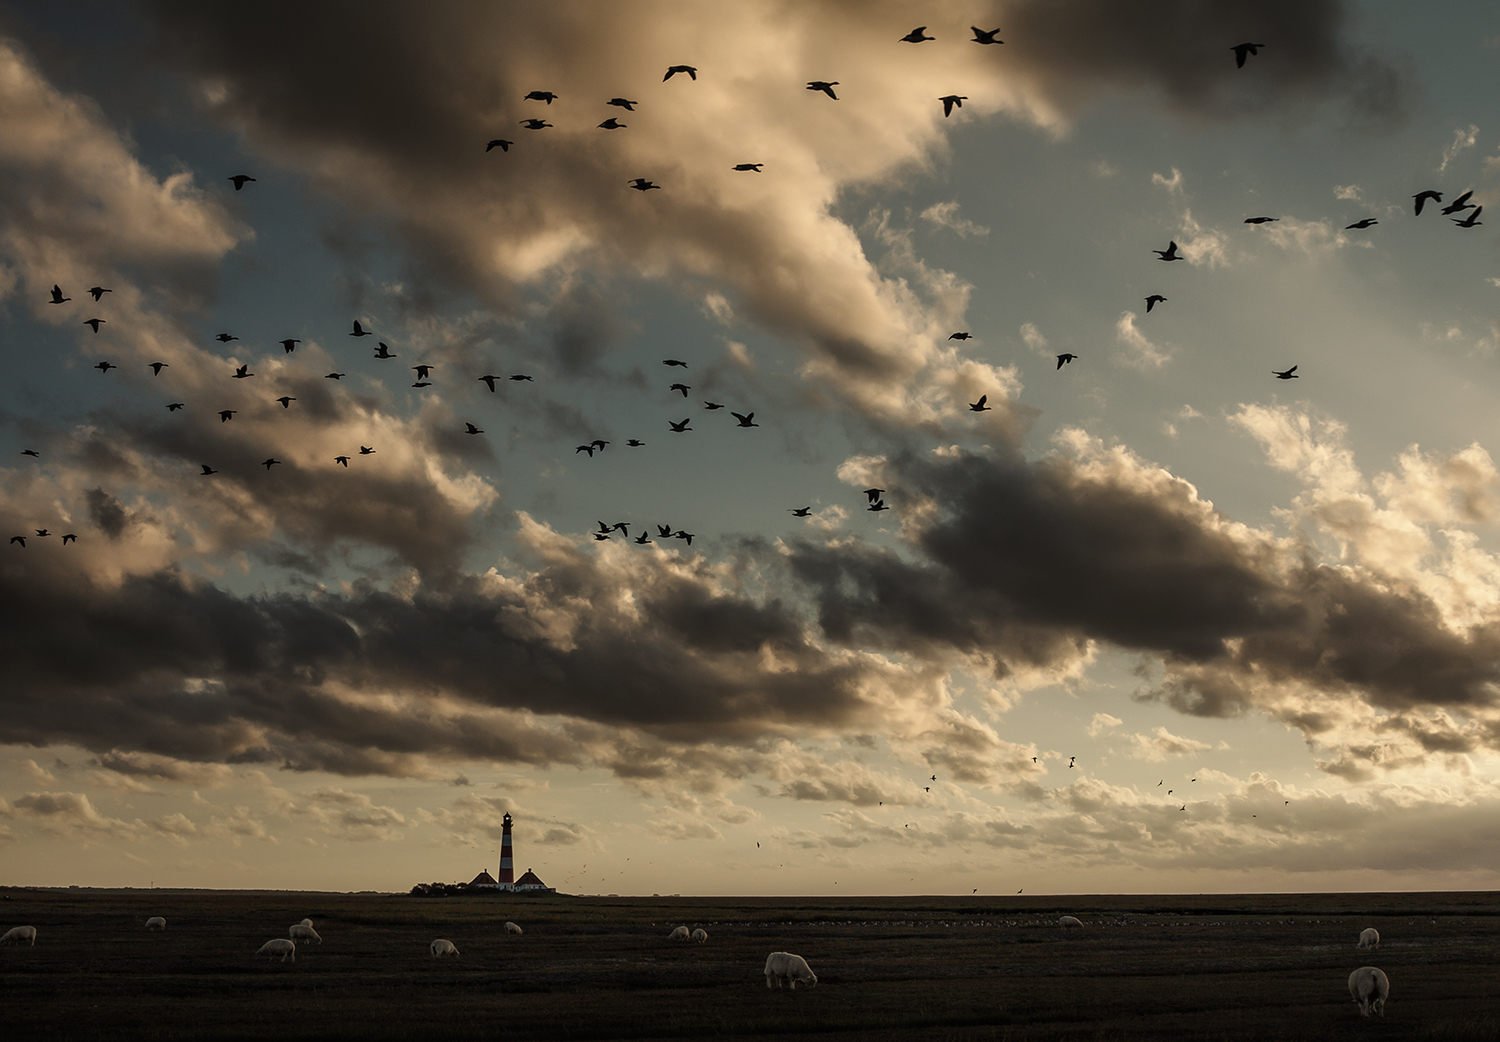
(507, 865)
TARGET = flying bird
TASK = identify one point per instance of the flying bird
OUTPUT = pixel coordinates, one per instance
(613, 124)
(640, 184)
(157, 367)
(711, 406)
(69, 538)
(673, 361)
(585, 448)
(1290, 374)
(1153, 300)
(489, 381)
(979, 406)
(745, 421)
(225, 338)
(423, 371)
(335, 376)
(290, 345)
(535, 124)
(19, 539)
(98, 291)
(269, 462)
(342, 459)
(382, 351)
(1423, 196)
(1461, 203)
(207, 470)
(174, 406)
(980, 36)
(1241, 50)
(665, 531)
(601, 536)
(286, 401)
(825, 86)
(643, 538)
(960, 336)
(680, 427)
(499, 143)
(31, 452)
(680, 534)
(360, 330)
(624, 103)
(874, 493)
(599, 444)
(1363, 223)
(684, 388)
(95, 322)
(239, 180)
(41, 532)
(105, 367)
(800, 511)
(1261, 220)
(916, 35)
(1170, 253)
(673, 70)
(541, 95)
(950, 102)
(242, 373)
(57, 297)
(365, 450)
(749, 166)
(225, 415)
(633, 443)
(519, 376)
(1064, 359)
(1471, 220)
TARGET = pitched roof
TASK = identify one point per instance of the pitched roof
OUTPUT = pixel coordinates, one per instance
(529, 879)
(483, 879)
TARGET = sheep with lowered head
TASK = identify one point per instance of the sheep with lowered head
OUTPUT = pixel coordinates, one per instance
(679, 934)
(1370, 988)
(700, 935)
(512, 928)
(156, 922)
(1369, 939)
(278, 946)
(17, 934)
(299, 932)
(784, 966)
(1069, 921)
(441, 947)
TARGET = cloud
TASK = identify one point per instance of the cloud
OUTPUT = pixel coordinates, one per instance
(351, 816)
(38, 774)
(1141, 353)
(1348, 192)
(1462, 139)
(1157, 747)
(1172, 184)
(1102, 722)
(945, 215)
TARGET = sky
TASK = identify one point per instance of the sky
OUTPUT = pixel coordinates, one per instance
(1153, 620)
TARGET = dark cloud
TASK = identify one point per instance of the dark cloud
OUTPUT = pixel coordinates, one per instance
(107, 512)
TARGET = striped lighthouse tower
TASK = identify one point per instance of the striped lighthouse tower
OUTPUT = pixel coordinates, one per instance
(507, 864)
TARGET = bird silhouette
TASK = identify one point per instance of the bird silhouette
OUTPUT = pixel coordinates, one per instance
(979, 406)
(239, 180)
(382, 351)
(1241, 50)
(57, 297)
(98, 291)
(423, 371)
(960, 336)
(673, 70)
(1422, 197)
(874, 493)
(1170, 253)
(19, 539)
(207, 470)
(360, 330)
(749, 166)
(680, 534)
(342, 459)
(290, 344)
(242, 373)
(489, 381)
(365, 450)
(105, 367)
(624, 103)
(70, 537)
(157, 367)
(800, 511)
(980, 36)
(1461, 203)
(711, 406)
(673, 361)
(613, 124)
(174, 406)
(745, 421)
(541, 95)
(1261, 220)
(1064, 359)
(335, 376)
(286, 401)
(225, 338)
(519, 376)
(825, 86)
(643, 538)
(95, 322)
(31, 452)
(225, 415)
(585, 448)
(535, 124)
(640, 184)
(950, 102)
(635, 444)
(1366, 222)
(684, 388)
(680, 427)
(1290, 374)
(601, 536)
(916, 35)
(499, 143)
(41, 532)
(269, 462)
(665, 531)
(1153, 300)
(1471, 220)
(599, 444)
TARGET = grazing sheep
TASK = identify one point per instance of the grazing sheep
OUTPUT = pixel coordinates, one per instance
(679, 934)
(784, 966)
(279, 946)
(442, 947)
(18, 934)
(1369, 939)
(304, 933)
(1069, 921)
(156, 922)
(700, 935)
(1370, 988)
(512, 928)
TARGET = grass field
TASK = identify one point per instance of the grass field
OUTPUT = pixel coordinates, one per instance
(1210, 967)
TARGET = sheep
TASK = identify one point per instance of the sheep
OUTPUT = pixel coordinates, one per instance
(1369, 939)
(784, 966)
(18, 934)
(1370, 988)
(1069, 921)
(513, 928)
(279, 946)
(441, 947)
(700, 935)
(299, 932)
(306, 922)
(679, 934)
(156, 922)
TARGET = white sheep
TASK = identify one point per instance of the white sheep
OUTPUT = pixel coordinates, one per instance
(156, 922)
(512, 928)
(700, 935)
(784, 966)
(1370, 988)
(279, 946)
(441, 947)
(299, 932)
(679, 934)
(1369, 939)
(17, 934)
(1069, 921)
(307, 922)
